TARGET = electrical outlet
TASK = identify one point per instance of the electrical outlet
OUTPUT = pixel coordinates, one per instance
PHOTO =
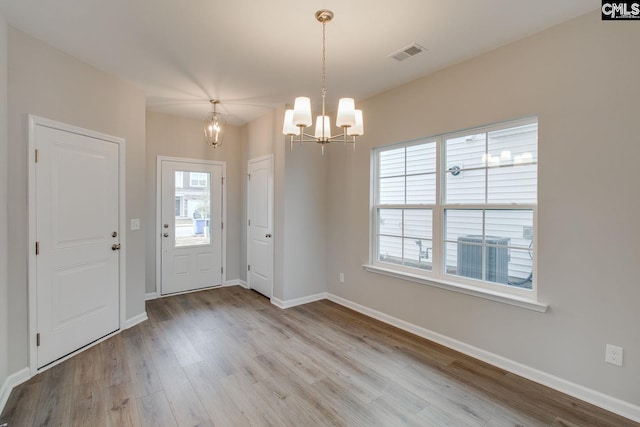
(527, 232)
(614, 355)
(341, 277)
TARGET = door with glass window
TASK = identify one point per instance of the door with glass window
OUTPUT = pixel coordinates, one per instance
(191, 225)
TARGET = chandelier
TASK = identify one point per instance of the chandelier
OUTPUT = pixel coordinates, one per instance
(214, 126)
(348, 118)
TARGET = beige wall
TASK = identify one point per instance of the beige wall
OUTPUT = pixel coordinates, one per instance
(262, 137)
(48, 83)
(4, 344)
(581, 79)
(305, 220)
(300, 220)
(182, 137)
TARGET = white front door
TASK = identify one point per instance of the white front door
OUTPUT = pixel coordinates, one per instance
(77, 264)
(191, 227)
(260, 225)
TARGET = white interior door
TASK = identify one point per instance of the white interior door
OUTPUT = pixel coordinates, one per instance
(77, 264)
(191, 227)
(260, 226)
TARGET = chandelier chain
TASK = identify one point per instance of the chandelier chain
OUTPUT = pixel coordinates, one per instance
(324, 60)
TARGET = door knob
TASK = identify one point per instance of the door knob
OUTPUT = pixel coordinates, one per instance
(114, 234)
(267, 235)
(166, 234)
(115, 247)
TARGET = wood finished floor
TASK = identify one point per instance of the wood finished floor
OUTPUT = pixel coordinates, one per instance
(228, 357)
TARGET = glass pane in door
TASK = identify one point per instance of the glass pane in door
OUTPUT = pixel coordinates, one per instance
(193, 207)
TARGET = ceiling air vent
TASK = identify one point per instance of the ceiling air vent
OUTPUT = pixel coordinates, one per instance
(407, 52)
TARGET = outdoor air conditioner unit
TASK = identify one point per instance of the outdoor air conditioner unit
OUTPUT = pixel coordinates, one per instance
(496, 258)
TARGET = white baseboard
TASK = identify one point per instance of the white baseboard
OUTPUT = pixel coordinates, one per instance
(297, 301)
(620, 407)
(236, 282)
(129, 323)
(150, 296)
(12, 381)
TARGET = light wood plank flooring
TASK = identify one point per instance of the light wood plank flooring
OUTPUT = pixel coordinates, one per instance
(227, 357)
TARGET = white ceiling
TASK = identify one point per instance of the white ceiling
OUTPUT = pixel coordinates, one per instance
(254, 55)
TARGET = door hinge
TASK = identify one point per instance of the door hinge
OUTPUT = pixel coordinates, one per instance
(223, 180)
(249, 176)
(37, 155)
(38, 339)
(37, 248)
(222, 225)
(249, 222)
(248, 268)
(221, 270)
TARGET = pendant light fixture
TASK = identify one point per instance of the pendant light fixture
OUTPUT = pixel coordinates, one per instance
(214, 126)
(348, 118)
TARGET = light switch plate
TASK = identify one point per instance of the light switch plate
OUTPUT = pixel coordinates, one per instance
(135, 224)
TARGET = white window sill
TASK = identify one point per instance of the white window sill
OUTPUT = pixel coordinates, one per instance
(528, 303)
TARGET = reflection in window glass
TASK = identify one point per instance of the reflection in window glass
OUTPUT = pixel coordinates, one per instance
(493, 245)
(405, 237)
(193, 205)
(198, 179)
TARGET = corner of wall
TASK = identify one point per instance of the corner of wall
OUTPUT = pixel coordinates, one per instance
(4, 320)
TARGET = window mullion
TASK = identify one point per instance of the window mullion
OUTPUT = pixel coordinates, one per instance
(374, 242)
(484, 244)
(437, 225)
(405, 202)
(402, 238)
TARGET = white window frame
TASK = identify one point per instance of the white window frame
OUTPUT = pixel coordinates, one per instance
(197, 180)
(438, 277)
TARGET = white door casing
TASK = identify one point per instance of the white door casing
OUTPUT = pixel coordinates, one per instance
(76, 276)
(260, 225)
(189, 260)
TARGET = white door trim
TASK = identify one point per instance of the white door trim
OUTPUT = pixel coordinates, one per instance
(159, 161)
(248, 233)
(31, 197)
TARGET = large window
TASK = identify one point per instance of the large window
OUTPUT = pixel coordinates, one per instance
(460, 207)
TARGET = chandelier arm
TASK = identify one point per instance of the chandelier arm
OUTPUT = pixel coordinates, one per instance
(305, 137)
(343, 135)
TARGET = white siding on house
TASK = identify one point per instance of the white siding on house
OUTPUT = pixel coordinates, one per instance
(494, 167)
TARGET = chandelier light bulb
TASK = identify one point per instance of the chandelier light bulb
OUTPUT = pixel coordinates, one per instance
(289, 128)
(346, 113)
(358, 128)
(323, 124)
(302, 111)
